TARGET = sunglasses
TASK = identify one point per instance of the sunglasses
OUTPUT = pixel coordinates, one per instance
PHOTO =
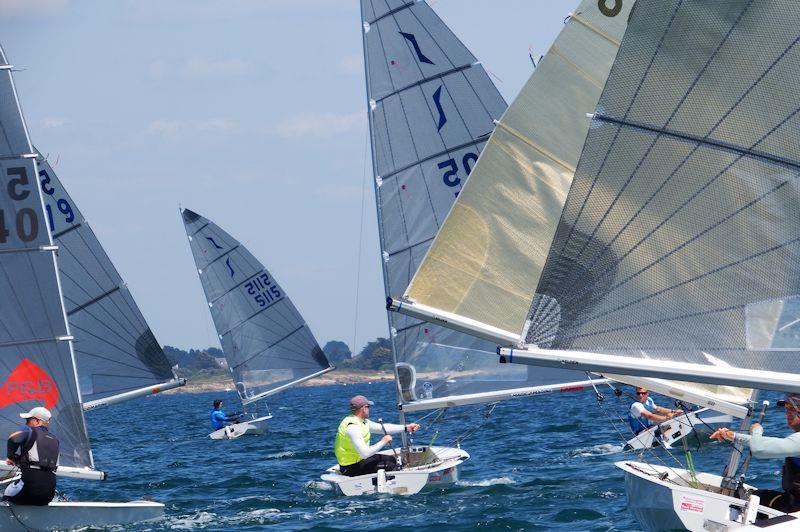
(642, 393)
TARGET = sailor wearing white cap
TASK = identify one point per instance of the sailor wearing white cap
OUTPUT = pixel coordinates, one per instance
(787, 448)
(35, 451)
(352, 446)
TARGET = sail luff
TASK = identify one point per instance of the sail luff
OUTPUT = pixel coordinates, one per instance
(35, 341)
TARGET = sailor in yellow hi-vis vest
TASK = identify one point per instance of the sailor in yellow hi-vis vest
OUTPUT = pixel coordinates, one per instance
(352, 446)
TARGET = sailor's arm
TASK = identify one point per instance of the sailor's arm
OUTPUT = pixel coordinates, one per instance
(766, 447)
(364, 451)
(391, 428)
(15, 442)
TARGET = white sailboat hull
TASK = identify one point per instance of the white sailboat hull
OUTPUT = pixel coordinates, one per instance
(70, 515)
(251, 427)
(661, 499)
(408, 481)
(674, 430)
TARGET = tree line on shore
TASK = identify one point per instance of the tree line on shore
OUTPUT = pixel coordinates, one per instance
(210, 363)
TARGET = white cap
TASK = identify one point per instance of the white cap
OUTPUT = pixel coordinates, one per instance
(39, 412)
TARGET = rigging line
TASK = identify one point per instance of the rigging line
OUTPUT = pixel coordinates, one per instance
(364, 178)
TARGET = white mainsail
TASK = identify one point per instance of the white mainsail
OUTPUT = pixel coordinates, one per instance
(36, 359)
(116, 353)
(266, 342)
(431, 109)
(484, 264)
(678, 249)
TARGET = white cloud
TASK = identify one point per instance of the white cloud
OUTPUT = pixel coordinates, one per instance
(324, 124)
(353, 64)
(177, 129)
(201, 68)
(53, 121)
(31, 8)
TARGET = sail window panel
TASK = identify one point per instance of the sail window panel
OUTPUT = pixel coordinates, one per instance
(374, 9)
(774, 325)
(421, 196)
(485, 262)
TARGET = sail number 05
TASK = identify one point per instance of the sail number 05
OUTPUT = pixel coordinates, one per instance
(450, 176)
(26, 221)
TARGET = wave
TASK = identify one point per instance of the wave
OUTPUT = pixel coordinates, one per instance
(597, 450)
(487, 482)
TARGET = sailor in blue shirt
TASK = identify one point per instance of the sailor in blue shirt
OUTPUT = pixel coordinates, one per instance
(218, 417)
(644, 413)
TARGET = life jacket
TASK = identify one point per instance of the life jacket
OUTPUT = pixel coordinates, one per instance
(638, 424)
(346, 453)
(40, 450)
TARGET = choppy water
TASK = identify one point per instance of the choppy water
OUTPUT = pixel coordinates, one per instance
(544, 463)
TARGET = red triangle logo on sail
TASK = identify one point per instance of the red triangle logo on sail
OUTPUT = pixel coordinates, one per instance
(28, 382)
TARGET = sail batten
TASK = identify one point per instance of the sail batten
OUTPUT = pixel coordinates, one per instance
(266, 342)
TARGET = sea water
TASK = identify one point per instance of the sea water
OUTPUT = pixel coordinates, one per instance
(541, 463)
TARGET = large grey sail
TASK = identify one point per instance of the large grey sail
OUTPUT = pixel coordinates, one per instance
(115, 349)
(36, 360)
(266, 342)
(431, 110)
(680, 238)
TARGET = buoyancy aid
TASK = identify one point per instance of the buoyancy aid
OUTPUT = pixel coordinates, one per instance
(346, 453)
(40, 450)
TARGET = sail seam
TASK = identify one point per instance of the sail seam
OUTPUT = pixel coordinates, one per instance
(392, 12)
(237, 285)
(201, 228)
(441, 75)
(224, 254)
(591, 27)
(513, 132)
(252, 316)
(93, 301)
(555, 51)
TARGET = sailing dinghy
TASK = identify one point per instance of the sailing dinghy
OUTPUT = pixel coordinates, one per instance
(265, 340)
(431, 109)
(36, 353)
(679, 244)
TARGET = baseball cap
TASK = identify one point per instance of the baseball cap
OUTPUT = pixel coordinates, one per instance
(792, 399)
(39, 412)
(358, 401)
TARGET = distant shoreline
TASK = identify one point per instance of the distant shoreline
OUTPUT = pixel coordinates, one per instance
(343, 376)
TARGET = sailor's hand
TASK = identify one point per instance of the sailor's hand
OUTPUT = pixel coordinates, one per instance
(412, 427)
(754, 426)
(723, 434)
(386, 439)
(9, 461)
(677, 412)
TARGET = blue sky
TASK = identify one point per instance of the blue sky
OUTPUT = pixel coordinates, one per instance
(249, 112)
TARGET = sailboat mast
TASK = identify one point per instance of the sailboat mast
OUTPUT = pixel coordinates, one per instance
(729, 475)
(381, 239)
